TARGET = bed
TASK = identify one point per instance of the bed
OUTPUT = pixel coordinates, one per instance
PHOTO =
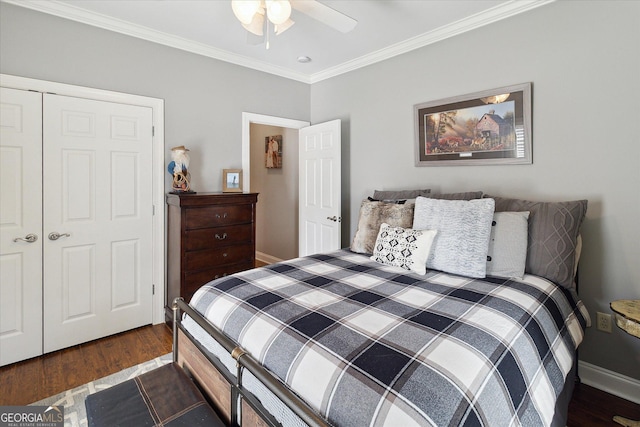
(390, 335)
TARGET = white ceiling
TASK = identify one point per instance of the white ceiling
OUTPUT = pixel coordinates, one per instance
(208, 27)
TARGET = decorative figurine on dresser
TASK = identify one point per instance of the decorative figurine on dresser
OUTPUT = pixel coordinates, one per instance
(209, 235)
(179, 168)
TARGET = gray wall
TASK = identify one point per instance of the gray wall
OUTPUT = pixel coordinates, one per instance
(277, 212)
(583, 59)
(204, 98)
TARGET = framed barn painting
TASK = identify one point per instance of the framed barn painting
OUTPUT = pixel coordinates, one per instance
(484, 128)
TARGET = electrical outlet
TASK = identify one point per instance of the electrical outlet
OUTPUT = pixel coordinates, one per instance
(604, 322)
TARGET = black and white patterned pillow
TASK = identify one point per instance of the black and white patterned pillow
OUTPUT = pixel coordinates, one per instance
(403, 247)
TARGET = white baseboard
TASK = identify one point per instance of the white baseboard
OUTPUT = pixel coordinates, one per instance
(260, 256)
(612, 382)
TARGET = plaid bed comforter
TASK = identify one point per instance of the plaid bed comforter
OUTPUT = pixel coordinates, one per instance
(371, 345)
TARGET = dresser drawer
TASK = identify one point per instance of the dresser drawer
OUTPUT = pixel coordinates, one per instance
(216, 216)
(193, 280)
(207, 258)
(215, 237)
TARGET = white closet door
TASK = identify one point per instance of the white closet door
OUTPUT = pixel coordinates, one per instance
(98, 199)
(20, 216)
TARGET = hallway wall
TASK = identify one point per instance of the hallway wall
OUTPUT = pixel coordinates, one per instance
(277, 209)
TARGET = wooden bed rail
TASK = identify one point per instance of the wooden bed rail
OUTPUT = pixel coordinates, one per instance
(244, 361)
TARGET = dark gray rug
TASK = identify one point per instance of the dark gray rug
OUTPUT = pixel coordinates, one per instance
(73, 400)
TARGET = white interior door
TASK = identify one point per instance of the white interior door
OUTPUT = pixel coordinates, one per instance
(320, 188)
(97, 219)
(20, 224)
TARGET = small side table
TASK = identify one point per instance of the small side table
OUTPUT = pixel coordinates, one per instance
(627, 315)
(628, 319)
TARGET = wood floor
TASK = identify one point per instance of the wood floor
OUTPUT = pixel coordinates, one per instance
(34, 379)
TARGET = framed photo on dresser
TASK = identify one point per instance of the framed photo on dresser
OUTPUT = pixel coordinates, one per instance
(232, 180)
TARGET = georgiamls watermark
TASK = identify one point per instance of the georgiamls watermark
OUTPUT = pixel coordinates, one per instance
(31, 416)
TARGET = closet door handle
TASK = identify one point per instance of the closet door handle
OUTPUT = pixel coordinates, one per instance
(29, 238)
(54, 235)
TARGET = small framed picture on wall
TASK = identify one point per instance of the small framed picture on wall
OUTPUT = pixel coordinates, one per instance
(232, 180)
(273, 152)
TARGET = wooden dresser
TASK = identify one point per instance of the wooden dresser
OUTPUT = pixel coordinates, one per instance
(209, 235)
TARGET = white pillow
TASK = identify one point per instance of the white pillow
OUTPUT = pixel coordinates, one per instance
(507, 255)
(403, 247)
(464, 228)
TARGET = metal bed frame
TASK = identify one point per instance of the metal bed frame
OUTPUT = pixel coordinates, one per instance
(244, 361)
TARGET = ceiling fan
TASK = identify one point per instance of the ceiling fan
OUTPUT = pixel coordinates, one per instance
(252, 13)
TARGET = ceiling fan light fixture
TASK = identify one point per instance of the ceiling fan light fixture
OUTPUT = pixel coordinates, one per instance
(278, 11)
(245, 10)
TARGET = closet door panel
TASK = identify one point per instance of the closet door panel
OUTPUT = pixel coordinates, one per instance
(97, 175)
(78, 282)
(78, 184)
(20, 224)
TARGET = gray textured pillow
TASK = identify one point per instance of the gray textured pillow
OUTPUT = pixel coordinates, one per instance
(508, 244)
(399, 194)
(464, 228)
(553, 234)
(468, 195)
(372, 215)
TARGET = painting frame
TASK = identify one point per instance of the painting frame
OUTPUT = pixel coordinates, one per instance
(469, 130)
(273, 152)
(232, 180)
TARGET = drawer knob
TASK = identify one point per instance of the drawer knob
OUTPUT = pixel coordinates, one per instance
(224, 215)
(224, 255)
(219, 237)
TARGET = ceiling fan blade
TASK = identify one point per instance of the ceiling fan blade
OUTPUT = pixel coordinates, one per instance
(256, 26)
(281, 28)
(325, 14)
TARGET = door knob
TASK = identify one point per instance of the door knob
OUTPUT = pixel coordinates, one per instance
(334, 218)
(29, 238)
(54, 235)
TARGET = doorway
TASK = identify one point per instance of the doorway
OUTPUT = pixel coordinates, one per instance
(277, 208)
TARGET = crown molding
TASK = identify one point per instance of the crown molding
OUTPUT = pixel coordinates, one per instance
(489, 16)
(64, 10)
